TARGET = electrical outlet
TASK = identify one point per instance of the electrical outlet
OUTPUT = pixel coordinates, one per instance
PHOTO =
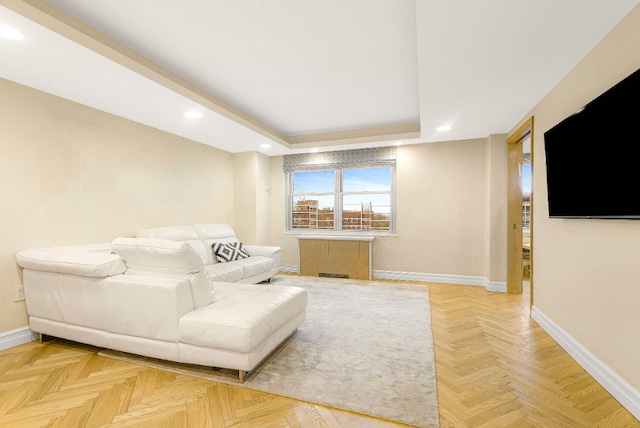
(18, 293)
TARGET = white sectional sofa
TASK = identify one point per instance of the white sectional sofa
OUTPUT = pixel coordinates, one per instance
(156, 297)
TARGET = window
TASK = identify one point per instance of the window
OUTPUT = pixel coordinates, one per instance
(313, 200)
(347, 190)
(351, 199)
(366, 199)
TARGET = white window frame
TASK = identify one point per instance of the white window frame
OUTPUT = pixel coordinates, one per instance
(338, 195)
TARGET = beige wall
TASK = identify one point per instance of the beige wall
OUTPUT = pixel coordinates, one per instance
(587, 272)
(447, 218)
(252, 187)
(277, 223)
(244, 178)
(495, 226)
(263, 199)
(74, 175)
(440, 210)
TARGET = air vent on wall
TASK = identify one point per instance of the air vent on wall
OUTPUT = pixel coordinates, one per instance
(332, 275)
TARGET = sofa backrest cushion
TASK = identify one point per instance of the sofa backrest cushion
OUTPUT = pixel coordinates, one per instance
(184, 233)
(170, 257)
(158, 255)
(81, 263)
(213, 233)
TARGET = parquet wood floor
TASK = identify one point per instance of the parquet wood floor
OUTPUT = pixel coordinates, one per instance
(495, 368)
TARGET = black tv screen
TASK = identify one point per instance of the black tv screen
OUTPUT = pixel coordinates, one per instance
(593, 157)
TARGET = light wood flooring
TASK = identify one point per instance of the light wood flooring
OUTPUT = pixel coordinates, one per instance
(495, 368)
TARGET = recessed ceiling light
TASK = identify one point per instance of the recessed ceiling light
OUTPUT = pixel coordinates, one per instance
(397, 143)
(443, 128)
(193, 114)
(315, 150)
(265, 146)
(10, 33)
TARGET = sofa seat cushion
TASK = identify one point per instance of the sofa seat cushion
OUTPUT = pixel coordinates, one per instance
(241, 320)
(238, 269)
(224, 272)
(253, 265)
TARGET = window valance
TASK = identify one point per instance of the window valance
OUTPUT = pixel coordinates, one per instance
(359, 158)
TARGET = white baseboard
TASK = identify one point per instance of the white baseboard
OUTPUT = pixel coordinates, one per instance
(16, 337)
(443, 279)
(621, 390)
(495, 286)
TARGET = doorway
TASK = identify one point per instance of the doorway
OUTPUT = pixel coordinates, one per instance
(519, 210)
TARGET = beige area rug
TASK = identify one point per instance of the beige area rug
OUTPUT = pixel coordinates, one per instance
(365, 347)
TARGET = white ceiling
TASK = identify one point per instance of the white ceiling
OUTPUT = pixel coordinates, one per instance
(299, 74)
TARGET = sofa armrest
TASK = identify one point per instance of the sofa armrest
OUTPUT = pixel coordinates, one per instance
(146, 305)
(262, 250)
(265, 251)
(81, 263)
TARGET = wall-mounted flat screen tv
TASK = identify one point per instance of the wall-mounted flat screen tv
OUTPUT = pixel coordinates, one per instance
(593, 157)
